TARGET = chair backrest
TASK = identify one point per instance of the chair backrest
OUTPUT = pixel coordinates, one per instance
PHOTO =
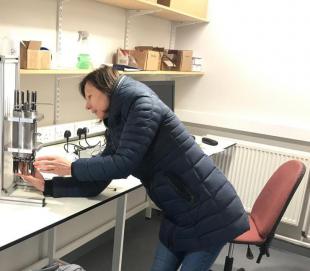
(277, 193)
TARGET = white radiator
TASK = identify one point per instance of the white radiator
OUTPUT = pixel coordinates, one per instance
(248, 166)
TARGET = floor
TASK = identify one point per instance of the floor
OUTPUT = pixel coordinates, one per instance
(141, 240)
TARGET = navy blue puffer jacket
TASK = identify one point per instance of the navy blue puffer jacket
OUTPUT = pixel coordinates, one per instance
(201, 208)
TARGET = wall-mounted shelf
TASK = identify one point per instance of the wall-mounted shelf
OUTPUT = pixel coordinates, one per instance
(54, 72)
(83, 72)
(161, 11)
(173, 73)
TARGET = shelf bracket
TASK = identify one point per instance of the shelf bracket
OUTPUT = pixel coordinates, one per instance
(172, 35)
(174, 26)
(181, 24)
(131, 14)
(138, 13)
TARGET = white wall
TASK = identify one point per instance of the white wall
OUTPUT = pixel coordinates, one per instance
(257, 59)
(36, 20)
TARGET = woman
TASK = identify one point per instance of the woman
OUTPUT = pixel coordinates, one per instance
(145, 138)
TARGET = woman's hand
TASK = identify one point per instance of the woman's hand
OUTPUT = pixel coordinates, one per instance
(37, 181)
(53, 164)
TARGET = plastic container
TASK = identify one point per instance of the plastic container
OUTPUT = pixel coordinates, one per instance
(83, 58)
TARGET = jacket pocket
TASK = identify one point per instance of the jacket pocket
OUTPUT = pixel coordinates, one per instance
(182, 189)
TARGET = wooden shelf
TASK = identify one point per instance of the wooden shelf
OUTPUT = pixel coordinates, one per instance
(172, 73)
(55, 72)
(83, 72)
(161, 11)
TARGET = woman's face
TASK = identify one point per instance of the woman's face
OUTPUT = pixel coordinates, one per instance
(96, 101)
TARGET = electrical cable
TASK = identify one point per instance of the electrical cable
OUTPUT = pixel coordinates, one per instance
(79, 147)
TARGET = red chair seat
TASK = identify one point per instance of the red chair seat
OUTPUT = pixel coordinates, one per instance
(251, 236)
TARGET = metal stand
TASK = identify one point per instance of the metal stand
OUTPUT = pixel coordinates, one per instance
(20, 200)
(17, 134)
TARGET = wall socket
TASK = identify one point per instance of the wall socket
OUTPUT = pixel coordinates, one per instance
(61, 128)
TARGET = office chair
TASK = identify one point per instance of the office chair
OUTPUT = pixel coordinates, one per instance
(268, 210)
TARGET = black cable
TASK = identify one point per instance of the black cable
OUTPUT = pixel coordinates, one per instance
(67, 135)
(79, 147)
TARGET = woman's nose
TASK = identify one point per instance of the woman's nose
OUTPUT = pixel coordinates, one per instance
(87, 106)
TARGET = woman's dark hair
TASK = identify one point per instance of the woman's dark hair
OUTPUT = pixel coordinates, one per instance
(103, 78)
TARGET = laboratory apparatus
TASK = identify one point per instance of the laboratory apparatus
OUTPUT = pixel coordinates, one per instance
(18, 135)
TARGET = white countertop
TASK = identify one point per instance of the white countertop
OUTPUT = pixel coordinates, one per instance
(223, 143)
(22, 221)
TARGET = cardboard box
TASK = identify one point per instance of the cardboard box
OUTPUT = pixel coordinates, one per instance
(31, 57)
(177, 60)
(122, 57)
(184, 60)
(164, 2)
(160, 50)
(147, 60)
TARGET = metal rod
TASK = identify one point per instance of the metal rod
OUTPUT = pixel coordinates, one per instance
(17, 99)
(35, 100)
(230, 250)
(51, 245)
(2, 63)
(10, 199)
(306, 225)
(119, 233)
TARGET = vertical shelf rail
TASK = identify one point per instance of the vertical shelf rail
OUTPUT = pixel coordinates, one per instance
(127, 29)
(56, 100)
(131, 14)
(57, 93)
(59, 19)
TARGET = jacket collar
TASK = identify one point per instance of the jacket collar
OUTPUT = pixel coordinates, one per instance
(115, 100)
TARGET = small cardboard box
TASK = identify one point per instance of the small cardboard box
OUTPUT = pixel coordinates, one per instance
(147, 60)
(184, 62)
(31, 57)
(164, 2)
(177, 60)
(122, 57)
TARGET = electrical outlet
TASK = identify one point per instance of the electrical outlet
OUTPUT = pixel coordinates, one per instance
(80, 124)
(61, 128)
(56, 132)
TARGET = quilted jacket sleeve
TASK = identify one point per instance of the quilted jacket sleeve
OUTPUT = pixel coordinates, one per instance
(139, 130)
(69, 187)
